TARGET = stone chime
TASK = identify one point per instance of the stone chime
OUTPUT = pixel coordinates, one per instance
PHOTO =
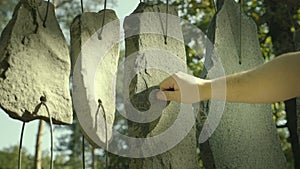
(236, 42)
(35, 65)
(151, 40)
(35, 68)
(155, 49)
(95, 55)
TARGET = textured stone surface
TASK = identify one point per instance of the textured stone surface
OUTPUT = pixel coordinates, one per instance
(95, 62)
(34, 62)
(246, 136)
(151, 61)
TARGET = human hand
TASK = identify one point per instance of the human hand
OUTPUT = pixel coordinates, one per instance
(182, 87)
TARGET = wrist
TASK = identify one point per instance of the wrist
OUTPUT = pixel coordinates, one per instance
(204, 89)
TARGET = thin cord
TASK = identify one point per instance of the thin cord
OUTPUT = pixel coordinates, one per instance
(240, 52)
(81, 3)
(43, 101)
(167, 13)
(103, 21)
(106, 140)
(105, 2)
(20, 147)
(83, 153)
(46, 16)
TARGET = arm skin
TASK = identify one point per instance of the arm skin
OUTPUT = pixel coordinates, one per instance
(274, 81)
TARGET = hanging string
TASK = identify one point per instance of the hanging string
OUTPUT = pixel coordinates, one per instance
(83, 153)
(103, 21)
(167, 13)
(46, 16)
(81, 4)
(20, 147)
(106, 139)
(240, 51)
(43, 102)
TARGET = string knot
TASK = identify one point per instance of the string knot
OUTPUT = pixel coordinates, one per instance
(43, 99)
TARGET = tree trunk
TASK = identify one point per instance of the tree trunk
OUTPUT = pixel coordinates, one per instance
(150, 57)
(38, 146)
(297, 45)
(291, 109)
(246, 136)
(94, 161)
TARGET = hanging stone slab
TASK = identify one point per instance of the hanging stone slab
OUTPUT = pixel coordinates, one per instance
(34, 62)
(95, 55)
(150, 58)
(246, 136)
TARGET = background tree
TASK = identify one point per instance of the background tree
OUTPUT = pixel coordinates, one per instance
(283, 22)
(9, 158)
(38, 146)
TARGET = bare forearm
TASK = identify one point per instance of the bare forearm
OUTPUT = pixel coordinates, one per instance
(274, 81)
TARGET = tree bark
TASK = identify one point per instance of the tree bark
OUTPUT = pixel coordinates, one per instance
(284, 40)
(94, 161)
(291, 109)
(38, 146)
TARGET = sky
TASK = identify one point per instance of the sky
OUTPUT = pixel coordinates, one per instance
(10, 129)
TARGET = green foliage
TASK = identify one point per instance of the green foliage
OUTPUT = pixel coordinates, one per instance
(279, 116)
(9, 158)
(6, 11)
(196, 12)
(194, 62)
(66, 10)
(70, 144)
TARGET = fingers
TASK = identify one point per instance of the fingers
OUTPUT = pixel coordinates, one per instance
(168, 95)
(167, 84)
(180, 87)
(169, 89)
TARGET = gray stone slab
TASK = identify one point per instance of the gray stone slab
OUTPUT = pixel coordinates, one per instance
(246, 136)
(148, 61)
(34, 62)
(95, 56)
